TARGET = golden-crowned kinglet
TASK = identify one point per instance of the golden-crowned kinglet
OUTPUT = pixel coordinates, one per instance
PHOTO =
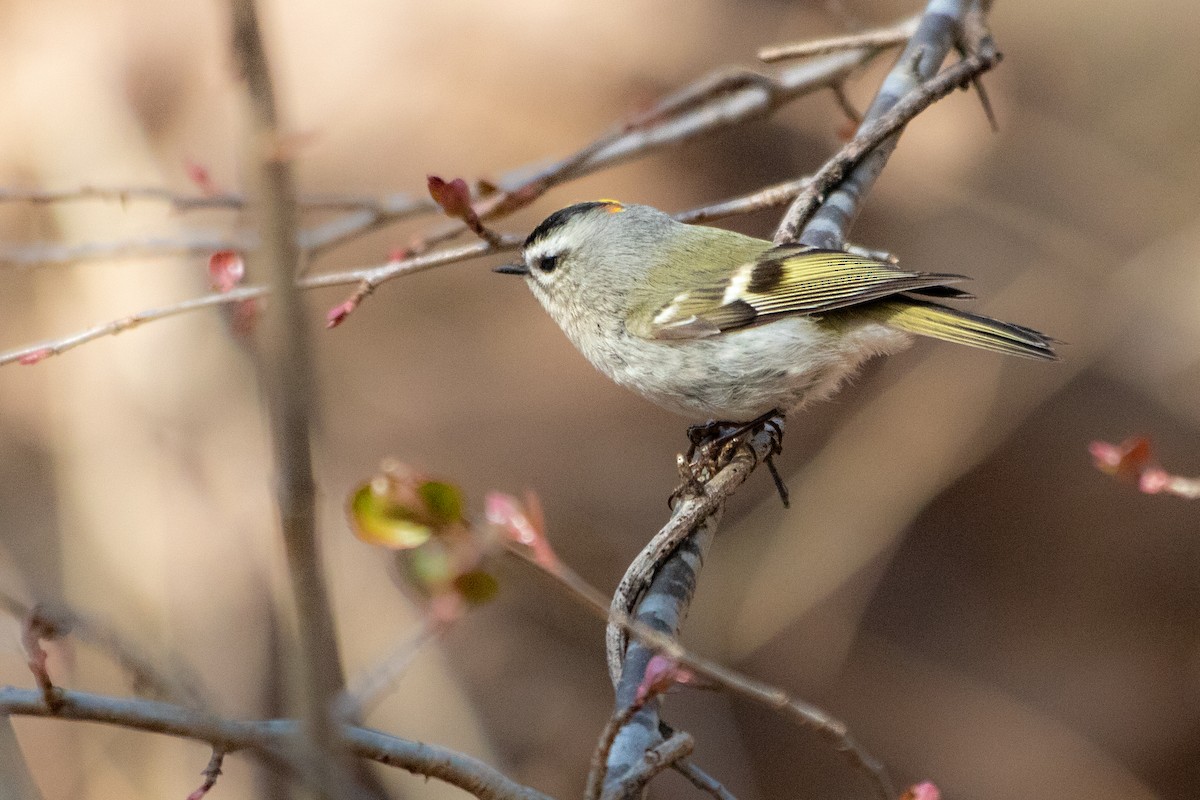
(710, 323)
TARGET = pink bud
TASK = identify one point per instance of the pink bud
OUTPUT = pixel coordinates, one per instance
(225, 270)
(922, 791)
(35, 356)
(198, 175)
(1154, 480)
(337, 315)
(662, 672)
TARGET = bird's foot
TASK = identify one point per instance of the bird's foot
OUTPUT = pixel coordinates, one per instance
(714, 443)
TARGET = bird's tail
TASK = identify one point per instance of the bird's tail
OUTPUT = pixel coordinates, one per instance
(951, 325)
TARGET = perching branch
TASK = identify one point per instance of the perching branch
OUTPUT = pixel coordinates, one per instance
(271, 739)
(652, 631)
(667, 570)
(696, 506)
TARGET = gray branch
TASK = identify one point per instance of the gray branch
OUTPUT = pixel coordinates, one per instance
(666, 571)
(271, 739)
(936, 34)
(675, 556)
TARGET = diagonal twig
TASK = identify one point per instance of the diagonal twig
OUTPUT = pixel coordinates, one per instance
(679, 118)
(822, 221)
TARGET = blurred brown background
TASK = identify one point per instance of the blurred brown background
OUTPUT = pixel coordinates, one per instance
(953, 579)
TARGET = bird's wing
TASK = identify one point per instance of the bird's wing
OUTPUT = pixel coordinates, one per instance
(788, 280)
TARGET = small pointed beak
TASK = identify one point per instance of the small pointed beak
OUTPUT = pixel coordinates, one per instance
(511, 269)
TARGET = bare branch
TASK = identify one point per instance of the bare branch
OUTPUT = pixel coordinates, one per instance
(720, 100)
(736, 97)
(599, 763)
(811, 200)
(367, 279)
(843, 101)
(770, 197)
(180, 685)
(670, 588)
(655, 760)
(35, 628)
(702, 780)
(877, 39)
(285, 369)
(368, 276)
(900, 98)
(194, 243)
(180, 201)
(376, 681)
(694, 509)
(210, 773)
(270, 739)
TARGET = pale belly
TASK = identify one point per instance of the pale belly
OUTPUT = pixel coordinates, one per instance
(739, 375)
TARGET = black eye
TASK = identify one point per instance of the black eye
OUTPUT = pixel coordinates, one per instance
(547, 263)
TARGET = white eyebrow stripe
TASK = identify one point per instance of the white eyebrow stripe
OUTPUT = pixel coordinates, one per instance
(738, 282)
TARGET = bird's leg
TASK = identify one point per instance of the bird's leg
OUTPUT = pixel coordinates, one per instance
(715, 441)
(776, 433)
(725, 432)
(780, 486)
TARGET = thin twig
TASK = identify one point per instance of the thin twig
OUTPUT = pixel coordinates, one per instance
(753, 100)
(872, 135)
(804, 714)
(702, 780)
(181, 201)
(878, 39)
(285, 368)
(822, 221)
(843, 101)
(179, 685)
(370, 276)
(210, 773)
(367, 279)
(365, 691)
(770, 197)
(728, 106)
(270, 738)
(194, 243)
(35, 628)
(655, 760)
(599, 762)
(716, 101)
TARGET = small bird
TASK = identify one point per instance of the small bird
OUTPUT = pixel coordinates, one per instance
(713, 324)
